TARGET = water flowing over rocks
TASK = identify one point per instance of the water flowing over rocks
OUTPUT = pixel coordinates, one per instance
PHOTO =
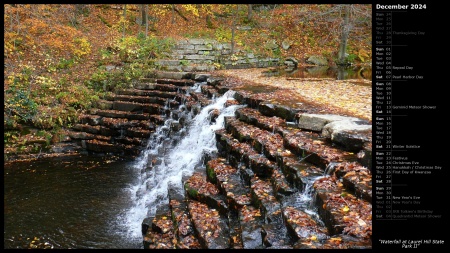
(222, 169)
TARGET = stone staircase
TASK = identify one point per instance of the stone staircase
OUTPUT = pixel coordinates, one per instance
(274, 183)
(204, 55)
(121, 124)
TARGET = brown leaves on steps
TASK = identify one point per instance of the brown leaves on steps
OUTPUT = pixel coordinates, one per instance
(197, 181)
(249, 213)
(206, 220)
(263, 190)
(349, 212)
(303, 225)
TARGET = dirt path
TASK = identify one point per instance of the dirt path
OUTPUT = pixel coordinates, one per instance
(350, 97)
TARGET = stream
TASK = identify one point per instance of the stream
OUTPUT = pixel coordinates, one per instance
(95, 202)
(70, 202)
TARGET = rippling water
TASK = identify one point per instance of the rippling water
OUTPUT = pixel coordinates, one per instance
(72, 202)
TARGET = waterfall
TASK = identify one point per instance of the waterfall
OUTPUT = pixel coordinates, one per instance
(177, 161)
(306, 197)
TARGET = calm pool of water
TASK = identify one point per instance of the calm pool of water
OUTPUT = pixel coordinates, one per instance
(71, 202)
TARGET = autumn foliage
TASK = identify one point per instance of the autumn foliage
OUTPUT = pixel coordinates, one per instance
(55, 54)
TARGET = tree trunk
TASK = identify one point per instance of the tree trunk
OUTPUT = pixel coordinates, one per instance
(146, 21)
(173, 13)
(124, 18)
(80, 8)
(143, 14)
(250, 12)
(344, 35)
(179, 13)
(233, 28)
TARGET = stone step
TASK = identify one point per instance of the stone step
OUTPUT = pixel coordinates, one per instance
(202, 98)
(317, 151)
(98, 130)
(197, 188)
(280, 185)
(316, 122)
(263, 198)
(137, 107)
(86, 136)
(302, 225)
(235, 230)
(210, 91)
(231, 102)
(254, 117)
(282, 111)
(122, 140)
(183, 227)
(341, 211)
(122, 114)
(178, 82)
(168, 62)
(348, 132)
(138, 132)
(274, 232)
(182, 98)
(141, 99)
(131, 141)
(104, 104)
(229, 183)
(365, 155)
(275, 236)
(250, 220)
(87, 128)
(260, 165)
(262, 141)
(215, 81)
(120, 123)
(105, 147)
(90, 119)
(157, 119)
(334, 242)
(148, 93)
(288, 177)
(267, 109)
(298, 172)
(229, 147)
(157, 86)
(247, 98)
(356, 178)
(210, 227)
(124, 123)
(161, 233)
(172, 75)
(241, 152)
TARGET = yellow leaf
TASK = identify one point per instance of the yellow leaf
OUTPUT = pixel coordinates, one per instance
(313, 238)
(362, 223)
(345, 209)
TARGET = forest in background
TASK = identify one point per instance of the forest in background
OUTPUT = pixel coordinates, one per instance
(55, 56)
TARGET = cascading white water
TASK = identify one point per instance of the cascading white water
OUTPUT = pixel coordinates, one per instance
(307, 195)
(152, 188)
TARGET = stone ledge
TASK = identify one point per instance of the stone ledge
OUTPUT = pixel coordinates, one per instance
(316, 122)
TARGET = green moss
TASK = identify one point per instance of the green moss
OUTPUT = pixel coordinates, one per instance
(191, 191)
(211, 174)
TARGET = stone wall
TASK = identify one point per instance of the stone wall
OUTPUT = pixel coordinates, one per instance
(207, 55)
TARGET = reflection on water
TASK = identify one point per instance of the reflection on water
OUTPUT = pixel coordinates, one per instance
(72, 202)
(324, 72)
